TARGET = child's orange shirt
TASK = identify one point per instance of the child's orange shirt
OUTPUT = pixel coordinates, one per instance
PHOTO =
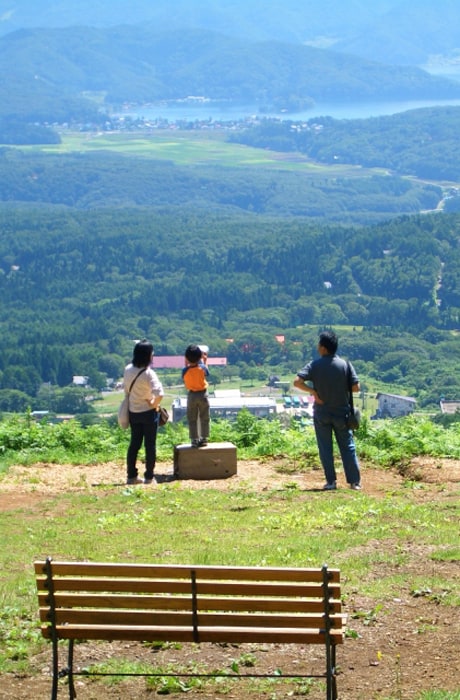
(195, 377)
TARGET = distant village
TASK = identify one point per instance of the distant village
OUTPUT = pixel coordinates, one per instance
(227, 403)
(128, 119)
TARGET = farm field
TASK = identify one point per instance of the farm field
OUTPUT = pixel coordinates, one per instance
(196, 148)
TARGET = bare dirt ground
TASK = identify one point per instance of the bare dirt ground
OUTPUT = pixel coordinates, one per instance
(409, 646)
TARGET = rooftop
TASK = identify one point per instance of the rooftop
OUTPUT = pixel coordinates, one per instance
(177, 361)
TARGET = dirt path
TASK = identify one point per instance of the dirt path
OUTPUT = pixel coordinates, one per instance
(407, 648)
(25, 485)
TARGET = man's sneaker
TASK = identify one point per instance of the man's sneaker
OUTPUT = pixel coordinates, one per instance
(135, 480)
(203, 442)
(355, 487)
(196, 443)
(149, 481)
(330, 487)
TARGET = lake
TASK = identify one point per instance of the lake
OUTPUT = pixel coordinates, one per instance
(217, 112)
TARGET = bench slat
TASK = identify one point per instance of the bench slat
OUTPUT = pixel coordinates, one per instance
(177, 634)
(230, 588)
(113, 618)
(177, 571)
(147, 602)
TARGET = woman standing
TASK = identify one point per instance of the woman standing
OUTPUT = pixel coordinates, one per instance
(145, 393)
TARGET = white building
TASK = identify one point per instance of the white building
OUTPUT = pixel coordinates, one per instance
(227, 405)
(449, 407)
(79, 380)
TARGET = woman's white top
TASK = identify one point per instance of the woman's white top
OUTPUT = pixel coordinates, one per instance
(145, 388)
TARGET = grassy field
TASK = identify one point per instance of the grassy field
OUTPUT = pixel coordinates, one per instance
(388, 546)
(195, 148)
(61, 496)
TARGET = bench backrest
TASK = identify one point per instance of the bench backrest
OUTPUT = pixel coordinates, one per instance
(150, 602)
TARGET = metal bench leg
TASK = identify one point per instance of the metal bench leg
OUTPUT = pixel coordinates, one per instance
(333, 675)
(331, 689)
(72, 693)
(54, 688)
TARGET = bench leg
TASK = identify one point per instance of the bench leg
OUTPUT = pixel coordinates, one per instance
(72, 693)
(54, 688)
(68, 671)
(331, 693)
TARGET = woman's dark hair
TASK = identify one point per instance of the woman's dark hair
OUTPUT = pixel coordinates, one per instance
(142, 353)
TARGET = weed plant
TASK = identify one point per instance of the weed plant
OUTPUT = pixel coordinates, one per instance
(26, 441)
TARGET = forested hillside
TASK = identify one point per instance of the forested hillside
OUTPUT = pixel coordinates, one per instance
(421, 142)
(57, 75)
(252, 18)
(101, 247)
(78, 287)
(99, 180)
(389, 31)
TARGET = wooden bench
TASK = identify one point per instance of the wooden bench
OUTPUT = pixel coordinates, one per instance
(178, 603)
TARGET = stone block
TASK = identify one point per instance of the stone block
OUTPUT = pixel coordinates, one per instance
(215, 461)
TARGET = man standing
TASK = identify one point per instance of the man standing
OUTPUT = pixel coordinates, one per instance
(326, 378)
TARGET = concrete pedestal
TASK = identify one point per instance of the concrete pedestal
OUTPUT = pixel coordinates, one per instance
(215, 461)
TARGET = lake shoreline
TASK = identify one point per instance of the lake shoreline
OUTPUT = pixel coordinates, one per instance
(196, 110)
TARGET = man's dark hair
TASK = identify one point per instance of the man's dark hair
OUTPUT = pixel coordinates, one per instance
(193, 354)
(329, 340)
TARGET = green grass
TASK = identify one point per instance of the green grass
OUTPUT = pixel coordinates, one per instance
(267, 528)
(440, 695)
(194, 148)
(379, 543)
(108, 402)
(180, 147)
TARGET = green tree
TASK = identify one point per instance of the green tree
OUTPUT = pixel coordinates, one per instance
(71, 400)
(24, 378)
(14, 401)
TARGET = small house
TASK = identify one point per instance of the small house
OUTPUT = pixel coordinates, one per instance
(394, 406)
(449, 407)
(79, 380)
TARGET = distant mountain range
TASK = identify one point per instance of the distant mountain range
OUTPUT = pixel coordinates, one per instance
(69, 74)
(425, 32)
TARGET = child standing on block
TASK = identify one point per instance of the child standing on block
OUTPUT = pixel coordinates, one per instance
(195, 377)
